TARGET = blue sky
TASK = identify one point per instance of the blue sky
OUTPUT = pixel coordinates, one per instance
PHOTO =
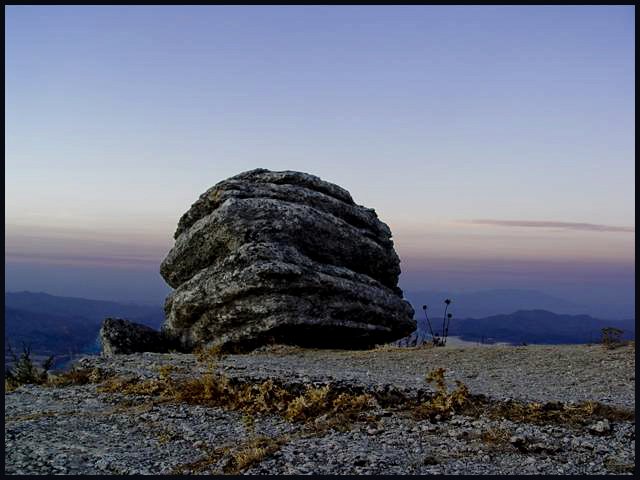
(117, 118)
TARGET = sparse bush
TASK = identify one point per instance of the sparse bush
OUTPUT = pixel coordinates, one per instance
(233, 459)
(253, 451)
(209, 355)
(556, 412)
(215, 389)
(78, 376)
(443, 403)
(496, 437)
(24, 371)
(166, 436)
(439, 339)
(611, 338)
(320, 408)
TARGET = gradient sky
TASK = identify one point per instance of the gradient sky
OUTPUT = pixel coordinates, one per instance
(497, 142)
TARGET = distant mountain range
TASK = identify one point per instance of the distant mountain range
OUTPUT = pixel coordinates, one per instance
(535, 326)
(485, 303)
(63, 326)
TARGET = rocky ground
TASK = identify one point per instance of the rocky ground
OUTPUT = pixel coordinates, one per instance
(78, 430)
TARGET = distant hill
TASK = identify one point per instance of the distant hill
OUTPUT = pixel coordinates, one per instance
(62, 326)
(532, 326)
(484, 303)
(81, 307)
(49, 334)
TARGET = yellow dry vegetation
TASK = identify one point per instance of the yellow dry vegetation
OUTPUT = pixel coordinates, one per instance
(443, 403)
(557, 412)
(77, 376)
(496, 437)
(252, 452)
(216, 389)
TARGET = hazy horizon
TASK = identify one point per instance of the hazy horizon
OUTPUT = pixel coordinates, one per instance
(496, 142)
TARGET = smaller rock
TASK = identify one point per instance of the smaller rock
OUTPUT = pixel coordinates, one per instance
(360, 462)
(430, 460)
(518, 441)
(601, 427)
(119, 336)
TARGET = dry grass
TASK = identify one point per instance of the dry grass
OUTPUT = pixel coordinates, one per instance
(252, 452)
(9, 386)
(443, 403)
(213, 456)
(496, 438)
(33, 416)
(614, 465)
(165, 436)
(612, 338)
(232, 460)
(217, 390)
(324, 407)
(268, 397)
(557, 412)
(81, 376)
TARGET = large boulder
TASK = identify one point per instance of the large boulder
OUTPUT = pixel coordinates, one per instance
(283, 257)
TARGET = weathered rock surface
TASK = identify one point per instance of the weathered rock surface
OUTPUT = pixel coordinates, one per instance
(283, 257)
(415, 339)
(119, 336)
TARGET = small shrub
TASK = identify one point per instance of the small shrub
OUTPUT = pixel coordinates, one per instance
(252, 452)
(495, 437)
(611, 338)
(209, 355)
(234, 459)
(215, 389)
(557, 412)
(78, 376)
(166, 436)
(249, 423)
(24, 371)
(439, 338)
(311, 404)
(443, 403)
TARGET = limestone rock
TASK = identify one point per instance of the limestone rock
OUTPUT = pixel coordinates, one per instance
(119, 336)
(415, 339)
(283, 257)
(601, 427)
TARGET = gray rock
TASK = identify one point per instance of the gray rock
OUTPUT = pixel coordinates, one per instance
(518, 441)
(119, 336)
(601, 427)
(284, 257)
(415, 339)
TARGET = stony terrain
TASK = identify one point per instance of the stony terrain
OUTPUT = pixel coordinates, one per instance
(76, 429)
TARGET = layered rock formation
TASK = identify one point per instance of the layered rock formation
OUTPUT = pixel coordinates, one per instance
(283, 257)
